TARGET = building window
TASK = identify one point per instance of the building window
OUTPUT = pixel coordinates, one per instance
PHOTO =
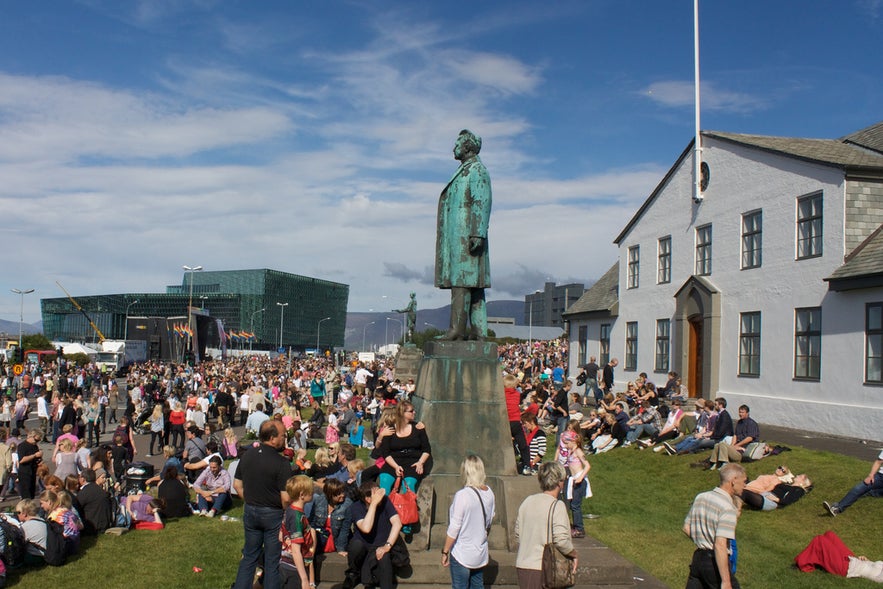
(749, 344)
(874, 343)
(604, 344)
(752, 239)
(663, 262)
(634, 265)
(703, 250)
(808, 343)
(631, 345)
(809, 226)
(583, 343)
(663, 330)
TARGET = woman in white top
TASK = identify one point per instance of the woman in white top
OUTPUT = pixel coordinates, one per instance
(469, 519)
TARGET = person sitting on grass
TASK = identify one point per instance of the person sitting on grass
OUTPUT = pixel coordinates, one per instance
(647, 422)
(175, 493)
(212, 488)
(670, 429)
(35, 531)
(58, 508)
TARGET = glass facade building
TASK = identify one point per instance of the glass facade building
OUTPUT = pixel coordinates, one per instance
(245, 301)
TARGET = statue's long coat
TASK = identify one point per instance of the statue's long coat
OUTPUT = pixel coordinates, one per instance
(464, 209)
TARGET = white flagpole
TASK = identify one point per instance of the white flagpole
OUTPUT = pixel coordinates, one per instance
(697, 144)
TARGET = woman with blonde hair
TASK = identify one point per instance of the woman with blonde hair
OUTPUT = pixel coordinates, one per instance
(157, 425)
(469, 520)
(65, 460)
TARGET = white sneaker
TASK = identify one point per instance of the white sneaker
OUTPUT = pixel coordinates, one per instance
(202, 512)
(210, 513)
(659, 448)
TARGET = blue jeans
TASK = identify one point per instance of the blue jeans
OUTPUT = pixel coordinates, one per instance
(875, 489)
(644, 428)
(463, 578)
(218, 503)
(262, 525)
(576, 504)
(561, 422)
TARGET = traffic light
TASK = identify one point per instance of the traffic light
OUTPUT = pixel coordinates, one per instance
(19, 356)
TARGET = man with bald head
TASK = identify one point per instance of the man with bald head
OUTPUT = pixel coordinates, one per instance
(260, 481)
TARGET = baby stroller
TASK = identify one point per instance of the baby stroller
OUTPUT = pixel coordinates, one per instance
(141, 424)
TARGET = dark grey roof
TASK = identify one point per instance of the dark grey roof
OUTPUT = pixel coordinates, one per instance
(603, 296)
(863, 267)
(836, 152)
(870, 138)
(853, 153)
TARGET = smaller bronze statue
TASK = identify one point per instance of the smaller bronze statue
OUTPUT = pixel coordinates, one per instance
(411, 310)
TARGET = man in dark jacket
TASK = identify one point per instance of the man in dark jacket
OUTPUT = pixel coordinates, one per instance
(95, 502)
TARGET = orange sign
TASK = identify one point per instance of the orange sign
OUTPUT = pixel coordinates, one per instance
(18, 369)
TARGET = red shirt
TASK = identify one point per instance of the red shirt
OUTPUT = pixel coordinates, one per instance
(513, 408)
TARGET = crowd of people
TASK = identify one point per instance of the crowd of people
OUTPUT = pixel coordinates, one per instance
(337, 502)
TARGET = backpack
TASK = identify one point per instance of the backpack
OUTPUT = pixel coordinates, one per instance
(12, 543)
(56, 547)
(581, 378)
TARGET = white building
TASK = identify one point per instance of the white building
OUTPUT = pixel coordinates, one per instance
(769, 292)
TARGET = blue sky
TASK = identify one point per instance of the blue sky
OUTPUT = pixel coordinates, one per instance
(315, 137)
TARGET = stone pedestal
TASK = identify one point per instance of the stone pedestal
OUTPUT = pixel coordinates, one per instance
(408, 362)
(460, 399)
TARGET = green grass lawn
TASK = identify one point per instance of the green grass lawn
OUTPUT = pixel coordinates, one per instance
(641, 496)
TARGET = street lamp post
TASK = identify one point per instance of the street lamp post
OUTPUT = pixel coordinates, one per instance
(363, 332)
(281, 322)
(191, 270)
(126, 328)
(318, 328)
(21, 313)
(251, 339)
(401, 326)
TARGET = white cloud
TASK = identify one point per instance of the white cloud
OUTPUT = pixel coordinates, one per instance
(679, 93)
(62, 119)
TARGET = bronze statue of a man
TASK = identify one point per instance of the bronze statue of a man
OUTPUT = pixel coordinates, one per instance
(461, 247)
(411, 311)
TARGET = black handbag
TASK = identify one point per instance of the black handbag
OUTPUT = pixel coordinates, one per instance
(557, 569)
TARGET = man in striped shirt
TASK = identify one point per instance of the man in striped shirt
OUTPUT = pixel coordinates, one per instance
(711, 524)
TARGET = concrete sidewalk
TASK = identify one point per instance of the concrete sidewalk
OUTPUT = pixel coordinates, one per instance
(857, 448)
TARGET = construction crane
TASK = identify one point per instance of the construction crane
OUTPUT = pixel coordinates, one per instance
(101, 337)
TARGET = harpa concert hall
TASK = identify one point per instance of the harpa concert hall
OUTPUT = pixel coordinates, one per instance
(231, 309)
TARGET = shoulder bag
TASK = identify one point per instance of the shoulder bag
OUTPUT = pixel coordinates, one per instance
(557, 569)
(405, 502)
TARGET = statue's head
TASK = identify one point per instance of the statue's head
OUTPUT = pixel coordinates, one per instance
(413, 295)
(468, 143)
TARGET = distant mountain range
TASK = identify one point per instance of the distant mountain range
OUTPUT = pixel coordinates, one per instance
(11, 328)
(377, 331)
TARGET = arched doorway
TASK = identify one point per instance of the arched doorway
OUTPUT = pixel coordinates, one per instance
(697, 343)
